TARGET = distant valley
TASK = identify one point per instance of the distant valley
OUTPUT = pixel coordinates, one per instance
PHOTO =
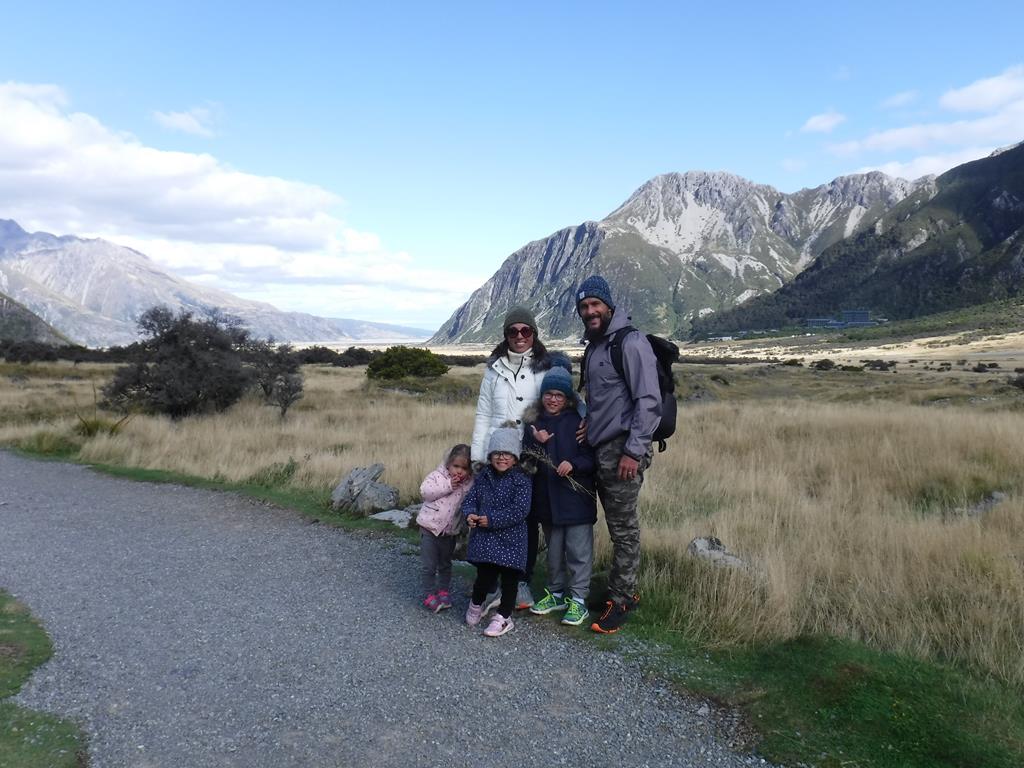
(92, 292)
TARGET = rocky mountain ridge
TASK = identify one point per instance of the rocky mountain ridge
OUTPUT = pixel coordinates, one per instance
(958, 242)
(683, 246)
(93, 291)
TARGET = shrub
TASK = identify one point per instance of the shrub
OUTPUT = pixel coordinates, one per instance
(354, 356)
(287, 390)
(1016, 381)
(823, 365)
(316, 354)
(793, 363)
(195, 366)
(269, 363)
(400, 362)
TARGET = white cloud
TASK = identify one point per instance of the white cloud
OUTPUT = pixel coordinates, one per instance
(927, 165)
(197, 121)
(1001, 127)
(898, 100)
(823, 123)
(936, 146)
(987, 94)
(263, 237)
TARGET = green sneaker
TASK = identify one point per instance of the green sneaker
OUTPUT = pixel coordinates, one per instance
(548, 604)
(575, 613)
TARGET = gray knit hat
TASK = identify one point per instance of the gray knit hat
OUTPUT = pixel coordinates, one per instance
(505, 440)
(520, 315)
(595, 287)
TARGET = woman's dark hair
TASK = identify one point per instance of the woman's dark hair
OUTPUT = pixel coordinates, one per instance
(539, 350)
(460, 451)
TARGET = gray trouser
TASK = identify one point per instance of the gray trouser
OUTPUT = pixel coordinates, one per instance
(436, 558)
(619, 500)
(570, 558)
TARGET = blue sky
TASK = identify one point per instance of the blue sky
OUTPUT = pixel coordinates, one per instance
(380, 163)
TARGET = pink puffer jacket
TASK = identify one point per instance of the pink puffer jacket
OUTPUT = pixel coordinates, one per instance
(441, 513)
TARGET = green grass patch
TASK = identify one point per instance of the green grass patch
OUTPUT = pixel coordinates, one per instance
(837, 704)
(29, 739)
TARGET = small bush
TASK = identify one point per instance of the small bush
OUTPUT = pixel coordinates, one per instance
(1016, 381)
(851, 368)
(402, 362)
(823, 365)
(354, 356)
(90, 426)
(273, 475)
(793, 363)
(50, 443)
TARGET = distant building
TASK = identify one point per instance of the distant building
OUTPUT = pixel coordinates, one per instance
(848, 318)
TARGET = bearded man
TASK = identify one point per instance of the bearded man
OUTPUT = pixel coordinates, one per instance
(623, 410)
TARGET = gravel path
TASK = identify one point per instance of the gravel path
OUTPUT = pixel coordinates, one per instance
(195, 628)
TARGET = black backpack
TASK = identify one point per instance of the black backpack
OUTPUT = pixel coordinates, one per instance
(666, 353)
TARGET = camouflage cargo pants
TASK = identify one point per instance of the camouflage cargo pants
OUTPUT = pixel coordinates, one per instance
(619, 499)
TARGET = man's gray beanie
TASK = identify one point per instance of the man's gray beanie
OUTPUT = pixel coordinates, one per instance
(595, 287)
(505, 440)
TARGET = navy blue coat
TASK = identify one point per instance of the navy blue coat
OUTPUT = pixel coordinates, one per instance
(555, 502)
(505, 499)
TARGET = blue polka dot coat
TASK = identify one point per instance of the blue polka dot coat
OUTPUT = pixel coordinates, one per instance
(505, 499)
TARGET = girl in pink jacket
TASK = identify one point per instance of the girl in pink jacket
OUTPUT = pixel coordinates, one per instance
(440, 521)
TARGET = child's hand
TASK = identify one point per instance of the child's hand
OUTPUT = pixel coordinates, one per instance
(581, 432)
(540, 435)
(458, 479)
(563, 469)
(482, 521)
(472, 520)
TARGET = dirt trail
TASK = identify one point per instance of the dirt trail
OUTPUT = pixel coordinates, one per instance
(195, 628)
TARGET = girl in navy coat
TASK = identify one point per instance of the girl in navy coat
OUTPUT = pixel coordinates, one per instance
(563, 498)
(495, 509)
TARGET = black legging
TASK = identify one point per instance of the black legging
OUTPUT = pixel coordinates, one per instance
(487, 575)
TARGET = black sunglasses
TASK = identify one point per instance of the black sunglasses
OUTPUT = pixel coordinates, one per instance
(526, 333)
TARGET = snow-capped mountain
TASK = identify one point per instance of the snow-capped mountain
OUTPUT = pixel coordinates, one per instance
(682, 246)
(93, 291)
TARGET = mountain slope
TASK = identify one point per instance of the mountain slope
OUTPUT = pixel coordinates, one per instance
(960, 245)
(93, 291)
(681, 247)
(19, 324)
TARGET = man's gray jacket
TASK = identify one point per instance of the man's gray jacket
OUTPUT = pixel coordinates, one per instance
(612, 407)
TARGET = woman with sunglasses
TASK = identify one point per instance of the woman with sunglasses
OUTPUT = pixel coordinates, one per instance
(511, 383)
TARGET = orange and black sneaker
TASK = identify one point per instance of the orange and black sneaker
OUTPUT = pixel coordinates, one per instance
(613, 617)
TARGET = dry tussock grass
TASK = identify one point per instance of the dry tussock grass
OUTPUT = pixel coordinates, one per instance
(850, 515)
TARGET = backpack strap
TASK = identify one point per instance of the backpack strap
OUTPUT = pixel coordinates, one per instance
(615, 349)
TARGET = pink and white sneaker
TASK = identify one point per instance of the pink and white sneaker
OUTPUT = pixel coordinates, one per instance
(499, 626)
(474, 613)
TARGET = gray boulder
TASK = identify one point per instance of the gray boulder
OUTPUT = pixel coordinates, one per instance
(713, 550)
(360, 493)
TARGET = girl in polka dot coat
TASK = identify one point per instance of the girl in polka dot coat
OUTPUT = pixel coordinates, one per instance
(495, 509)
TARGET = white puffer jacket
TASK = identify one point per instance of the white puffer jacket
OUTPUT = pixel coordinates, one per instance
(505, 392)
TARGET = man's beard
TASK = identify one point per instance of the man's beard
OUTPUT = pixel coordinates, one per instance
(593, 334)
